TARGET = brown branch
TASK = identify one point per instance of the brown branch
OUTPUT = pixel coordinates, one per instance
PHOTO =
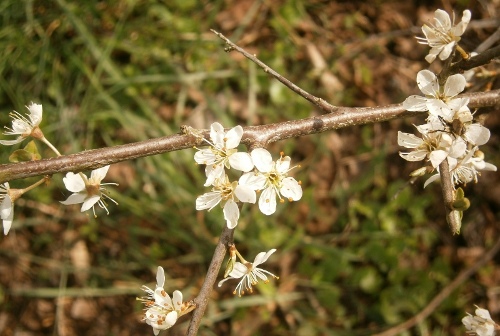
(438, 299)
(452, 216)
(256, 136)
(213, 270)
(478, 60)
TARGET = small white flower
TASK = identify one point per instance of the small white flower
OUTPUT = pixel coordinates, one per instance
(273, 178)
(6, 208)
(437, 98)
(467, 169)
(480, 324)
(88, 191)
(162, 311)
(222, 153)
(435, 146)
(250, 273)
(24, 126)
(229, 194)
(443, 36)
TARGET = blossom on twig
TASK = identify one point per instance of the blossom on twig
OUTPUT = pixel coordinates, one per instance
(229, 194)
(443, 35)
(162, 311)
(24, 126)
(249, 273)
(480, 324)
(222, 153)
(272, 178)
(88, 191)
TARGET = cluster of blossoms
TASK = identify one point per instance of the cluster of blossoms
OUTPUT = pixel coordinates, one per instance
(162, 311)
(450, 132)
(480, 324)
(89, 191)
(261, 173)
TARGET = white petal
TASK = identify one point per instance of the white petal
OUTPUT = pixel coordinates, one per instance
(458, 148)
(253, 181)
(205, 156)
(459, 29)
(262, 160)
(177, 300)
(241, 161)
(477, 134)
(213, 173)
(231, 214)
(267, 201)
(417, 155)
(437, 157)
(162, 298)
(245, 194)
(217, 134)
(431, 179)
(446, 51)
(75, 199)
(262, 257)
(442, 19)
(35, 113)
(7, 214)
(283, 164)
(454, 85)
(74, 183)
(208, 200)
(233, 137)
(438, 108)
(415, 103)
(427, 82)
(433, 54)
(12, 142)
(171, 318)
(408, 140)
(160, 277)
(291, 189)
(89, 202)
(99, 174)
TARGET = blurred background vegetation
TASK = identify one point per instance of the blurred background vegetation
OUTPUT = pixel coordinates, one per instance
(362, 251)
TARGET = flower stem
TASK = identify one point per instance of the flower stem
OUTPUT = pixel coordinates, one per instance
(51, 146)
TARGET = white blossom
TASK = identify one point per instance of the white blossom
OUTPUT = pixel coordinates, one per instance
(222, 153)
(88, 191)
(443, 35)
(272, 178)
(249, 273)
(467, 168)
(435, 146)
(229, 194)
(23, 126)
(436, 99)
(161, 310)
(480, 324)
(6, 208)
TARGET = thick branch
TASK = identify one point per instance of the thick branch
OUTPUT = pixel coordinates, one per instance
(256, 136)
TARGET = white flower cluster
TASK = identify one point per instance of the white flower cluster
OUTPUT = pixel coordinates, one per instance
(268, 176)
(480, 324)
(450, 132)
(162, 311)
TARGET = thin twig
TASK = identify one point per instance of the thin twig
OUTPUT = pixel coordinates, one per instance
(323, 105)
(438, 299)
(201, 300)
